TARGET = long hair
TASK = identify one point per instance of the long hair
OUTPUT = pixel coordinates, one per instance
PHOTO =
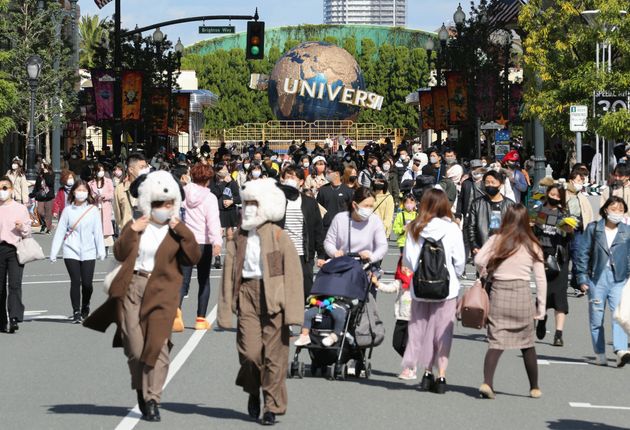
(434, 204)
(514, 233)
(563, 195)
(77, 184)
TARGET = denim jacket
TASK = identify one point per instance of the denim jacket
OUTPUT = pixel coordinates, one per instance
(592, 259)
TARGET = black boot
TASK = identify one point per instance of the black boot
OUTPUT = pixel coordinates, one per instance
(253, 406)
(217, 262)
(153, 412)
(268, 419)
(427, 381)
(141, 403)
(557, 338)
(13, 325)
(439, 387)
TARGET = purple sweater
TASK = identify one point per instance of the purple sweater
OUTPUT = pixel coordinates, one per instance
(365, 236)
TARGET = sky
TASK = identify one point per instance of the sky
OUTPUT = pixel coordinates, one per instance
(421, 14)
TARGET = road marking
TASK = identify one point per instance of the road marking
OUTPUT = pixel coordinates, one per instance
(32, 313)
(548, 362)
(67, 281)
(589, 406)
(134, 416)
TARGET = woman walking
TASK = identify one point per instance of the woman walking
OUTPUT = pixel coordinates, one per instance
(384, 203)
(144, 294)
(430, 330)
(227, 193)
(602, 271)
(80, 234)
(20, 184)
(262, 285)
(67, 181)
(579, 208)
(102, 189)
(202, 218)
(15, 224)
(44, 193)
(552, 234)
(508, 260)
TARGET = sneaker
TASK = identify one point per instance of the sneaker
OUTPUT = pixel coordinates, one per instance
(330, 340)
(85, 311)
(427, 381)
(303, 340)
(557, 341)
(623, 357)
(76, 318)
(541, 329)
(601, 360)
(202, 324)
(408, 374)
(579, 293)
(186, 296)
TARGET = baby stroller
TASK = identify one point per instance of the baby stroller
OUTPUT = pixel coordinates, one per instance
(343, 277)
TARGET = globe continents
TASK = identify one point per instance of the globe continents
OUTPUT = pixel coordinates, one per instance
(325, 69)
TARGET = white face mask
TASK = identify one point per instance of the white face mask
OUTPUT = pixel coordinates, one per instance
(14, 166)
(4, 195)
(291, 183)
(433, 160)
(306, 164)
(364, 213)
(386, 167)
(80, 196)
(161, 215)
(100, 174)
(70, 182)
(614, 218)
(250, 211)
(256, 174)
(144, 171)
(578, 187)
(246, 166)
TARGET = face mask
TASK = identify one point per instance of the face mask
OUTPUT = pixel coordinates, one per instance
(246, 166)
(451, 160)
(578, 187)
(291, 183)
(614, 218)
(330, 177)
(386, 167)
(410, 207)
(274, 158)
(70, 183)
(14, 166)
(161, 215)
(100, 174)
(379, 186)
(306, 164)
(222, 174)
(250, 211)
(484, 164)
(144, 171)
(404, 157)
(118, 173)
(553, 202)
(256, 174)
(353, 178)
(364, 213)
(80, 196)
(433, 160)
(492, 191)
(4, 195)
(477, 176)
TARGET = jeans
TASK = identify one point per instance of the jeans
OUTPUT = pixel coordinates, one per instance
(337, 313)
(9, 266)
(606, 290)
(203, 277)
(81, 276)
(574, 246)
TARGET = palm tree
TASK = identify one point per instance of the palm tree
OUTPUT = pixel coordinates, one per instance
(91, 32)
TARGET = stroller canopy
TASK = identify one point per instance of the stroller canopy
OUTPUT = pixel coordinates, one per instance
(342, 277)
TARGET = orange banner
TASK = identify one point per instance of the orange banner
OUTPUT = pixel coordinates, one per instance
(182, 112)
(457, 97)
(426, 108)
(440, 108)
(131, 95)
(159, 110)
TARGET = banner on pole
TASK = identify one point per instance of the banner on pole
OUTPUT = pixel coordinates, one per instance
(440, 108)
(103, 84)
(516, 103)
(159, 108)
(131, 94)
(182, 112)
(87, 105)
(426, 109)
(486, 96)
(457, 97)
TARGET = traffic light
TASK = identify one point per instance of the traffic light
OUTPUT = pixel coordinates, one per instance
(255, 40)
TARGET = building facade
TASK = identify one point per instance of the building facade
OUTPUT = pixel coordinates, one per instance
(375, 12)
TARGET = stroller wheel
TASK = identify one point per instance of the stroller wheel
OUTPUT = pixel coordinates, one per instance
(368, 370)
(341, 371)
(300, 370)
(330, 371)
(314, 369)
(293, 369)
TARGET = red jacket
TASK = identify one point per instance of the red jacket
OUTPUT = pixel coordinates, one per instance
(60, 202)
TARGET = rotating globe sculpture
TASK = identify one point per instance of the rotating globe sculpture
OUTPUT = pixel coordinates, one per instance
(308, 83)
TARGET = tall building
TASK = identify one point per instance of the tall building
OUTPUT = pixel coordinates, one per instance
(375, 12)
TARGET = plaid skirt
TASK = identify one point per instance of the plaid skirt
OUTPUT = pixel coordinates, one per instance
(511, 316)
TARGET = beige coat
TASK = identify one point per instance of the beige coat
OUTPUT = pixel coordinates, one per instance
(282, 276)
(585, 206)
(20, 187)
(123, 204)
(624, 193)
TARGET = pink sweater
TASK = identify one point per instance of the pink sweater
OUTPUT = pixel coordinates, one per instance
(10, 212)
(202, 214)
(517, 267)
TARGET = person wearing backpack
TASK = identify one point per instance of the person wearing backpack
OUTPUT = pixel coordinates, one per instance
(510, 257)
(434, 251)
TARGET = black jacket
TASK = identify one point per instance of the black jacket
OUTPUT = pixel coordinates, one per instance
(478, 228)
(42, 196)
(313, 229)
(469, 193)
(334, 200)
(226, 191)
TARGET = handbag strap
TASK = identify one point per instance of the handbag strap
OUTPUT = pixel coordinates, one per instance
(69, 232)
(349, 231)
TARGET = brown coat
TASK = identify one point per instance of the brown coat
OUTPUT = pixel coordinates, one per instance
(161, 297)
(282, 276)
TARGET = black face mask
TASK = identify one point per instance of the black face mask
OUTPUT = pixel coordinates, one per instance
(379, 186)
(353, 178)
(492, 191)
(553, 202)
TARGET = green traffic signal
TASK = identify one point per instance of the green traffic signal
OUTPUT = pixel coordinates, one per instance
(255, 50)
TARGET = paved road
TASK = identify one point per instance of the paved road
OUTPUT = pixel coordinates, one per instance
(56, 375)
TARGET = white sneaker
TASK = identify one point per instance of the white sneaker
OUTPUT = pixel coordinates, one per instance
(623, 357)
(601, 360)
(330, 340)
(303, 340)
(408, 374)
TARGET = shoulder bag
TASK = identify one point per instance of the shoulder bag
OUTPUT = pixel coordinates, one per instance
(28, 250)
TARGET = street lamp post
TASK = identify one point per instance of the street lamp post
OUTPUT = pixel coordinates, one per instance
(33, 69)
(443, 38)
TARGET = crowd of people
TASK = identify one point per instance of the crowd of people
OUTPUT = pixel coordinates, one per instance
(278, 216)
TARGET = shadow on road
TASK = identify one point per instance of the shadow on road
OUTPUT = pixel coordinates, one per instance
(86, 409)
(580, 425)
(188, 408)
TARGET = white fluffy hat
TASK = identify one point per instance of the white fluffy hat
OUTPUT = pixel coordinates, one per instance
(158, 186)
(271, 202)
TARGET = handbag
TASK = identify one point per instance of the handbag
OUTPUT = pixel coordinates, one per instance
(552, 267)
(28, 250)
(474, 306)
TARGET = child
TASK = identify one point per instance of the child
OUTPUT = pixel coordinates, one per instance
(403, 218)
(338, 312)
(402, 311)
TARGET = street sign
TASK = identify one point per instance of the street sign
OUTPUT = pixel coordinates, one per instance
(502, 135)
(577, 118)
(605, 102)
(216, 29)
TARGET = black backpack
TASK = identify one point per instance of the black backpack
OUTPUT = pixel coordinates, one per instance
(431, 279)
